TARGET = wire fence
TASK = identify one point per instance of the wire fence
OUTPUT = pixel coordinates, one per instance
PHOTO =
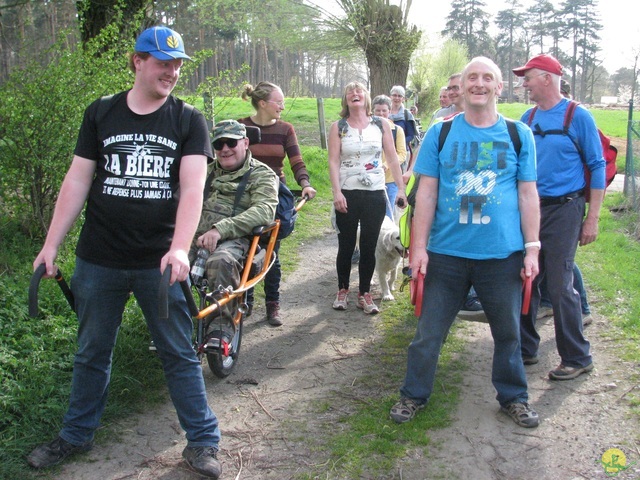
(632, 163)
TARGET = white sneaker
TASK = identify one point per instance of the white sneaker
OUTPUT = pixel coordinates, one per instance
(587, 319)
(365, 302)
(340, 303)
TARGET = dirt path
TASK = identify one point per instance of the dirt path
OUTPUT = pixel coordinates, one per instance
(268, 408)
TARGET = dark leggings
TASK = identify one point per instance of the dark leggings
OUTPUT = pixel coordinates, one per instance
(368, 209)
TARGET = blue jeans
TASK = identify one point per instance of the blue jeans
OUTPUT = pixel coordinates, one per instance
(392, 193)
(578, 284)
(366, 208)
(499, 287)
(100, 297)
(559, 233)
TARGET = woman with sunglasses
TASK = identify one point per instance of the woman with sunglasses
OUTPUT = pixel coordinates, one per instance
(279, 140)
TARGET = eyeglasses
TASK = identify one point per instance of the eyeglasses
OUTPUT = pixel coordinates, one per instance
(279, 104)
(221, 142)
(528, 78)
(453, 88)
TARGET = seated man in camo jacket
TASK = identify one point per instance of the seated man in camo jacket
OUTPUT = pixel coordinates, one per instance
(228, 219)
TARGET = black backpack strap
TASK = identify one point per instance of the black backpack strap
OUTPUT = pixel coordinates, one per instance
(343, 126)
(513, 134)
(185, 120)
(240, 191)
(378, 121)
(511, 127)
(444, 132)
(207, 184)
(103, 107)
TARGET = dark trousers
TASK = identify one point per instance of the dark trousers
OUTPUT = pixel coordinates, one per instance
(559, 233)
(365, 208)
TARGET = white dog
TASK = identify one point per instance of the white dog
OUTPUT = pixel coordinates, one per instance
(389, 253)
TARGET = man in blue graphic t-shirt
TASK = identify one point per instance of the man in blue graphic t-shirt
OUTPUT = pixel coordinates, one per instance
(476, 213)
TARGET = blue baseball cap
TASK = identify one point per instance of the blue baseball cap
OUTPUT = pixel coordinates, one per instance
(161, 42)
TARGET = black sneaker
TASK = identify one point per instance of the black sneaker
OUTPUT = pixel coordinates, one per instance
(472, 304)
(203, 460)
(472, 310)
(52, 453)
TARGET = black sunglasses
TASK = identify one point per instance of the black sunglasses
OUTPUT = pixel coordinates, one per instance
(220, 143)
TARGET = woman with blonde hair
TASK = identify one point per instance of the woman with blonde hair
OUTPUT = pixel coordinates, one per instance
(278, 141)
(357, 178)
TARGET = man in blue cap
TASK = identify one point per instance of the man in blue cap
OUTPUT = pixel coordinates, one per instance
(135, 151)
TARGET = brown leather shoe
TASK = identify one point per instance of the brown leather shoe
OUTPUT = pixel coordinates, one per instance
(273, 314)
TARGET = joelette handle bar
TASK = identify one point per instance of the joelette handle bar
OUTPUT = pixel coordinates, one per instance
(35, 283)
(163, 295)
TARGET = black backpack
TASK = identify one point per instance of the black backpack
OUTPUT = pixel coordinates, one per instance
(285, 211)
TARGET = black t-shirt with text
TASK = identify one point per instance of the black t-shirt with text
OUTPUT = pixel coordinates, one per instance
(131, 208)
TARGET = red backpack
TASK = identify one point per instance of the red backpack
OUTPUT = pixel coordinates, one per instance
(609, 152)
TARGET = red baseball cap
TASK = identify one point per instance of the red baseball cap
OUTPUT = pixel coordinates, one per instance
(545, 62)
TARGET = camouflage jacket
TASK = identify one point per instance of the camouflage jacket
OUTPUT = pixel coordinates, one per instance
(256, 207)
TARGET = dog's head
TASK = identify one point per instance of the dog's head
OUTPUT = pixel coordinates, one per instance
(390, 236)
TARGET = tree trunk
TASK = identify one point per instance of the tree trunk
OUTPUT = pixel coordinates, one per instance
(94, 16)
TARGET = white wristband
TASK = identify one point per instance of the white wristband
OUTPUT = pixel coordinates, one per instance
(533, 244)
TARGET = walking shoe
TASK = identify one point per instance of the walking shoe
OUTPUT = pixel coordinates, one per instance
(340, 303)
(587, 319)
(562, 372)
(52, 453)
(404, 410)
(273, 313)
(471, 309)
(472, 304)
(544, 312)
(530, 360)
(365, 302)
(203, 460)
(522, 414)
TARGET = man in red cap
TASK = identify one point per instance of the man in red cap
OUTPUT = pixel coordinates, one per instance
(563, 223)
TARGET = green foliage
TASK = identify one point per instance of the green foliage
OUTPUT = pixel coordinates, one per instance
(433, 72)
(36, 356)
(468, 23)
(41, 110)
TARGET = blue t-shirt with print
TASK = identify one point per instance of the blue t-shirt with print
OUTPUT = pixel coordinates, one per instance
(477, 213)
